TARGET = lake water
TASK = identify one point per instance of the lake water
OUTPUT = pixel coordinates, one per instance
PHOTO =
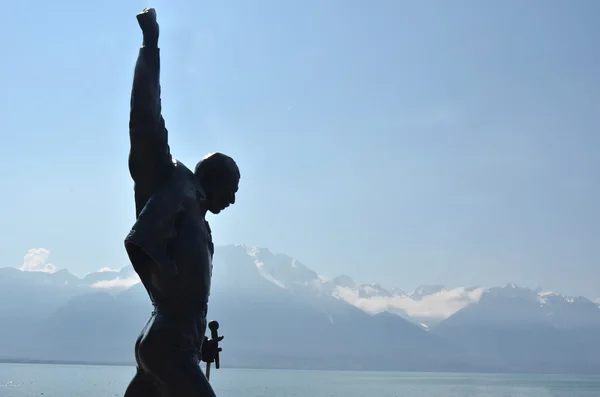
(27, 380)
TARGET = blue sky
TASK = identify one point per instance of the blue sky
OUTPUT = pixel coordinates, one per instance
(394, 141)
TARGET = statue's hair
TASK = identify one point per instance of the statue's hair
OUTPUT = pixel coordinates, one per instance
(215, 167)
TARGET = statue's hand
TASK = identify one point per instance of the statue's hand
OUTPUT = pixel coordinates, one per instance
(149, 25)
(210, 349)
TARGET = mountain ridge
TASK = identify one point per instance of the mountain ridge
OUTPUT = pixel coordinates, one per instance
(277, 312)
(275, 269)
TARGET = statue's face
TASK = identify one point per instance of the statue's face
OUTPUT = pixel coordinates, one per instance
(223, 195)
(220, 178)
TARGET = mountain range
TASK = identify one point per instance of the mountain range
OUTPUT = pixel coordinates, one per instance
(275, 312)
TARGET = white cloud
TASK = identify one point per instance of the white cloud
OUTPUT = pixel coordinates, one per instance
(117, 283)
(35, 261)
(439, 306)
(108, 269)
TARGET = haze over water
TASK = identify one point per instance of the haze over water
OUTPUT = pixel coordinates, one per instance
(28, 380)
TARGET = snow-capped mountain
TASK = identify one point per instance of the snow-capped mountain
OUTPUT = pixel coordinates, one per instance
(64, 279)
(398, 292)
(569, 311)
(281, 270)
(363, 290)
(426, 290)
(527, 306)
(287, 309)
(512, 324)
(269, 306)
(426, 306)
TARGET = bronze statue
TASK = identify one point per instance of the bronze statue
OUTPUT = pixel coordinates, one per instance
(170, 245)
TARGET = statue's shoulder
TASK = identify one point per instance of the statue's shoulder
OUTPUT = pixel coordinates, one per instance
(187, 181)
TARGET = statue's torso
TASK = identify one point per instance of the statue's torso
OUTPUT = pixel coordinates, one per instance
(173, 223)
(191, 250)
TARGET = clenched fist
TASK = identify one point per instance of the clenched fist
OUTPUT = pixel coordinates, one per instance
(149, 25)
(211, 349)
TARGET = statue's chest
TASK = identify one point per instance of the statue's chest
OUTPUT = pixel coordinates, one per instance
(211, 245)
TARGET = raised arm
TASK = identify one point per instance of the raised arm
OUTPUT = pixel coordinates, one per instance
(149, 158)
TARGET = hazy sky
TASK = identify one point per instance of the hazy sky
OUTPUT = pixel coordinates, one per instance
(405, 142)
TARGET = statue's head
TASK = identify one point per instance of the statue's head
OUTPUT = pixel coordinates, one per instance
(219, 175)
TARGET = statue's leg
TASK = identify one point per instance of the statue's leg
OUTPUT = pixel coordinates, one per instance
(186, 378)
(166, 352)
(142, 385)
